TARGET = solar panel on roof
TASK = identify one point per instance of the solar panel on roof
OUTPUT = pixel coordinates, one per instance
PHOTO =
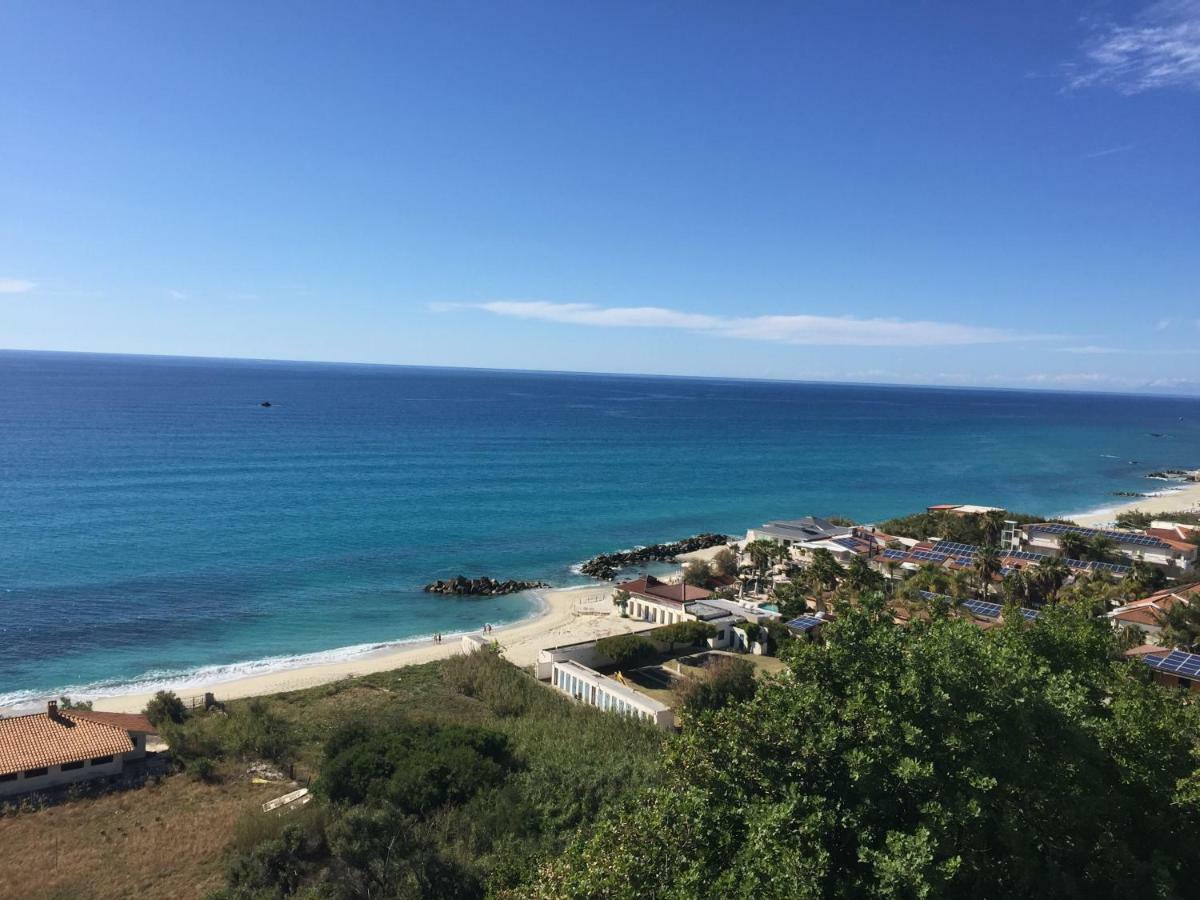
(983, 608)
(929, 556)
(1123, 537)
(1028, 613)
(805, 623)
(930, 595)
(955, 549)
(1177, 662)
(894, 554)
(1025, 555)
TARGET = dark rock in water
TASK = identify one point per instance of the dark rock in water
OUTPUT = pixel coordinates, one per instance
(1157, 434)
(265, 404)
(484, 586)
(606, 565)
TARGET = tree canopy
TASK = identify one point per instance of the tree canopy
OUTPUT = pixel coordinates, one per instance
(935, 760)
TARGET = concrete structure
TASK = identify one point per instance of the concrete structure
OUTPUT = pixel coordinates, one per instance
(55, 748)
(590, 687)
(797, 531)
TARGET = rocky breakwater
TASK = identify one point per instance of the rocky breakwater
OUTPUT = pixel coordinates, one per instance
(607, 565)
(461, 586)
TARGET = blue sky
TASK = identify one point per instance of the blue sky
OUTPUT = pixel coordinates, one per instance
(1001, 193)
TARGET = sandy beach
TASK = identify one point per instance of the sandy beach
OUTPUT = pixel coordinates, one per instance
(568, 615)
(1186, 498)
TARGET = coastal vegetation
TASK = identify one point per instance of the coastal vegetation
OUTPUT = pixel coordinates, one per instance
(1020, 761)
(979, 529)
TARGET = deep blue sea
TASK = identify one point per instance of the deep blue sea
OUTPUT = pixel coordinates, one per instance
(156, 520)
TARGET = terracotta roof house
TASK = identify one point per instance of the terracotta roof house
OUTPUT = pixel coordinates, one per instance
(1148, 612)
(46, 750)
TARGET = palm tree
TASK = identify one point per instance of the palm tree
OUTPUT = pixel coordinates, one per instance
(1144, 578)
(1074, 545)
(621, 602)
(1049, 576)
(987, 564)
(1102, 548)
(993, 525)
(1181, 626)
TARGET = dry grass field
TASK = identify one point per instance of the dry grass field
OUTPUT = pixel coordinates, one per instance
(164, 840)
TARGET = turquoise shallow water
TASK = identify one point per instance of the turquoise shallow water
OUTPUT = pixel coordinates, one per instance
(154, 519)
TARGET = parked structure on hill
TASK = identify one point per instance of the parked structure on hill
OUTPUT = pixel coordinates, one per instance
(59, 747)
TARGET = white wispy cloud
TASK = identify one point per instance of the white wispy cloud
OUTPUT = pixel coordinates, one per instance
(1092, 349)
(16, 286)
(787, 329)
(1160, 48)
(1109, 151)
(176, 295)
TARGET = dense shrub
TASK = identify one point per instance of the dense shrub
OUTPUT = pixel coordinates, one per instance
(416, 768)
(626, 650)
(164, 707)
(724, 680)
(692, 634)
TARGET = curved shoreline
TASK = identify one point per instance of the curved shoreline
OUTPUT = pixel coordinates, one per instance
(559, 613)
(1186, 496)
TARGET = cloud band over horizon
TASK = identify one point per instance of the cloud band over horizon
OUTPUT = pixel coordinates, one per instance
(809, 330)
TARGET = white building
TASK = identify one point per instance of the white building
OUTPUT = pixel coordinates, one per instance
(590, 687)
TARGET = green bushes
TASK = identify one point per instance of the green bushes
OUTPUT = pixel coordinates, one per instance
(250, 730)
(164, 707)
(626, 650)
(725, 680)
(416, 768)
(689, 633)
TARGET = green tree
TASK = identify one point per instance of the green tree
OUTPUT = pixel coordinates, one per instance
(724, 562)
(621, 601)
(860, 577)
(824, 570)
(1181, 626)
(697, 573)
(724, 680)
(65, 703)
(1073, 545)
(992, 525)
(693, 634)
(1049, 575)
(626, 650)
(1144, 578)
(930, 761)
(164, 707)
(763, 552)
(1102, 548)
(987, 566)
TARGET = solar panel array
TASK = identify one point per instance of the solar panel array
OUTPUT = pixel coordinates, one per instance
(1124, 537)
(983, 608)
(1177, 662)
(804, 623)
(955, 549)
(930, 595)
(1115, 568)
(894, 554)
(1028, 614)
(848, 543)
(929, 556)
(1025, 555)
(965, 560)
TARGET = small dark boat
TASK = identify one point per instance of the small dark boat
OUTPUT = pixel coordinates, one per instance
(265, 404)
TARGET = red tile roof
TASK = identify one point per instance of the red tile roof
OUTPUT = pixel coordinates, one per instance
(45, 739)
(652, 588)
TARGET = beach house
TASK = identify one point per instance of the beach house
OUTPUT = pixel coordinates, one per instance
(1159, 547)
(58, 747)
(1149, 613)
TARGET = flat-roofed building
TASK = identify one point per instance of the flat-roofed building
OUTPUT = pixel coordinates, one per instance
(590, 687)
